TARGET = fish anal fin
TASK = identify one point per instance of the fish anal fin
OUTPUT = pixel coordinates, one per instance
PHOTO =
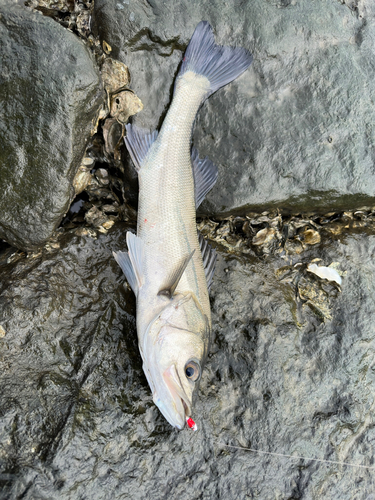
(138, 142)
(205, 175)
(209, 259)
(170, 285)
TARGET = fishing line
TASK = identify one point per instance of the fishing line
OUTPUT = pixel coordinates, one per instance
(295, 457)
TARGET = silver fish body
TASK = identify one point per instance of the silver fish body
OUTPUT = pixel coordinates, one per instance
(168, 264)
(167, 222)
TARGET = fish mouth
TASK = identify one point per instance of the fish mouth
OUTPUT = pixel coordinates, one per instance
(181, 408)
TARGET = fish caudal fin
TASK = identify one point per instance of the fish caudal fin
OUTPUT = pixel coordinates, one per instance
(219, 64)
(138, 142)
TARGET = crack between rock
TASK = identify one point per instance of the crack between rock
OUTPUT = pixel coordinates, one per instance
(152, 42)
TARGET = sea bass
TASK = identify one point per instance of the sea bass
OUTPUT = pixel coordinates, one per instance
(169, 266)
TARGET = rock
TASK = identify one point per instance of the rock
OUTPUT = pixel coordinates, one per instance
(53, 340)
(290, 371)
(50, 91)
(294, 131)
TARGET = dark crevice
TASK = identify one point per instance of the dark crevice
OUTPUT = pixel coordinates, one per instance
(3, 246)
(146, 40)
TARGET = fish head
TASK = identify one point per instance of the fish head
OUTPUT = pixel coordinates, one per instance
(177, 373)
(176, 348)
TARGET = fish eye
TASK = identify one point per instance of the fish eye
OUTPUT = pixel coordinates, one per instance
(192, 370)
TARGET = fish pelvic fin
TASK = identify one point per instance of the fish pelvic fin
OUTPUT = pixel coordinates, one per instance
(209, 259)
(171, 283)
(205, 176)
(138, 142)
(219, 64)
(131, 262)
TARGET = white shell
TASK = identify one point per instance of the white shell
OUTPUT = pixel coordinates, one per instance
(325, 273)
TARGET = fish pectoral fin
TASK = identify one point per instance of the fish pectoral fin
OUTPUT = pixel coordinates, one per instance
(136, 256)
(170, 286)
(131, 262)
(205, 175)
(123, 260)
(209, 259)
(138, 142)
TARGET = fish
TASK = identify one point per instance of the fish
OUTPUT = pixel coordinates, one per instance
(169, 265)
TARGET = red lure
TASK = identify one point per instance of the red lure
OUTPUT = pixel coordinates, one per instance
(191, 423)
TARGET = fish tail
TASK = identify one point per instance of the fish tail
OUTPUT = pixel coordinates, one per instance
(219, 64)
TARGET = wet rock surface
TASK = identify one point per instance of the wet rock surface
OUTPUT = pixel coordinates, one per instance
(295, 130)
(290, 371)
(50, 91)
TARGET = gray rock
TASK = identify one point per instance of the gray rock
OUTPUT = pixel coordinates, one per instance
(291, 371)
(295, 131)
(50, 91)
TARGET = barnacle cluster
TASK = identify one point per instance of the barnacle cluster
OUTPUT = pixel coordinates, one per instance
(273, 232)
(75, 15)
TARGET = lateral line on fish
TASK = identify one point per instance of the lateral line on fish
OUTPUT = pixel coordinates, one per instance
(296, 457)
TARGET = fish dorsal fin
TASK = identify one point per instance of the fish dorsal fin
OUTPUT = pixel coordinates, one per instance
(138, 141)
(205, 175)
(131, 262)
(209, 259)
(170, 285)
